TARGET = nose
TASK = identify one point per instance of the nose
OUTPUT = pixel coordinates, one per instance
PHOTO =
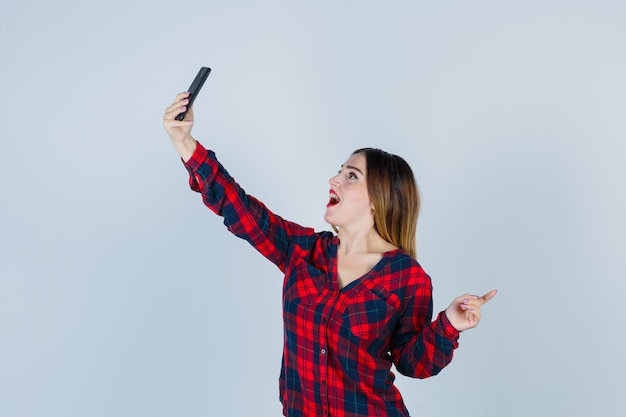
(333, 181)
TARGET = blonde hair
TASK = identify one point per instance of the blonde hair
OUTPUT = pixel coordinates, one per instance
(394, 193)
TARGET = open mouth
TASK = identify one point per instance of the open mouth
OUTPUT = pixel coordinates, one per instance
(333, 199)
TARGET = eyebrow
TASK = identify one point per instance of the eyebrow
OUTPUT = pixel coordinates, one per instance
(353, 167)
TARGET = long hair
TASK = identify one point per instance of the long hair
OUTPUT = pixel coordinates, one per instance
(394, 193)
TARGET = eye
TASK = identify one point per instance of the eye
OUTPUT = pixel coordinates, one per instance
(352, 175)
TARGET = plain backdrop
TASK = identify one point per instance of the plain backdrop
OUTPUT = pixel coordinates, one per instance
(122, 295)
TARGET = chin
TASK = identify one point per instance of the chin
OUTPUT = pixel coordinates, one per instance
(329, 219)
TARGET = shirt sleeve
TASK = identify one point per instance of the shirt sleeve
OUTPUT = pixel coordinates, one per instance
(244, 215)
(421, 348)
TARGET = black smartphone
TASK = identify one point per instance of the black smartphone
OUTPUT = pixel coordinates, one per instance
(196, 85)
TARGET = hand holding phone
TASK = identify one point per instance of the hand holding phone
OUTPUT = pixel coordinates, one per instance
(194, 89)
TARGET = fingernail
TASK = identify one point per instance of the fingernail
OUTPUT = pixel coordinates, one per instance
(465, 301)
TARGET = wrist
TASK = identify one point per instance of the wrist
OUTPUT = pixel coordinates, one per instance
(186, 147)
(450, 328)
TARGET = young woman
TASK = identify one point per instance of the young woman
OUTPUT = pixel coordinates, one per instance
(354, 303)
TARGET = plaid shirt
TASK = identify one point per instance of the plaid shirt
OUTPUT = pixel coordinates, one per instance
(339, 343)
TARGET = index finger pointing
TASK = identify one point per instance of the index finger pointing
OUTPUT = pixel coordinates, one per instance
(487, 297)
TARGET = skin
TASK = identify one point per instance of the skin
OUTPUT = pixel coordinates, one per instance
(360, 247)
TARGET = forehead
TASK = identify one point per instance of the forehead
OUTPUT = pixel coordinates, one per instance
(358, 161)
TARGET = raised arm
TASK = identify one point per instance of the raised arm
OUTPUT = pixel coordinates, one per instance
(244, 215)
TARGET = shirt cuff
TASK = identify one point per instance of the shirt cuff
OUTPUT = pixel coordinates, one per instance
(197, 158)
(448, 330)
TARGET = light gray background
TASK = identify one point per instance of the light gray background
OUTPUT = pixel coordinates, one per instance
(121, 295)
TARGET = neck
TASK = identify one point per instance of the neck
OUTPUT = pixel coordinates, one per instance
(361, 241)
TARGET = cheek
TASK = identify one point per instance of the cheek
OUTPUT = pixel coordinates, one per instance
(364, 202)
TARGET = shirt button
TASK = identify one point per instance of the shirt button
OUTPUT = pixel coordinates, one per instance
(323, 351)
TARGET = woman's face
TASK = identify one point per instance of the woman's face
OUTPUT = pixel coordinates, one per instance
(349, 202)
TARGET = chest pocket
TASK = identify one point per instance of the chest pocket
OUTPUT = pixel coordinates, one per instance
(372, 313)
(304, 281)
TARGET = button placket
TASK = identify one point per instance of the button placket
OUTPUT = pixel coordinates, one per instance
(323, 355)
